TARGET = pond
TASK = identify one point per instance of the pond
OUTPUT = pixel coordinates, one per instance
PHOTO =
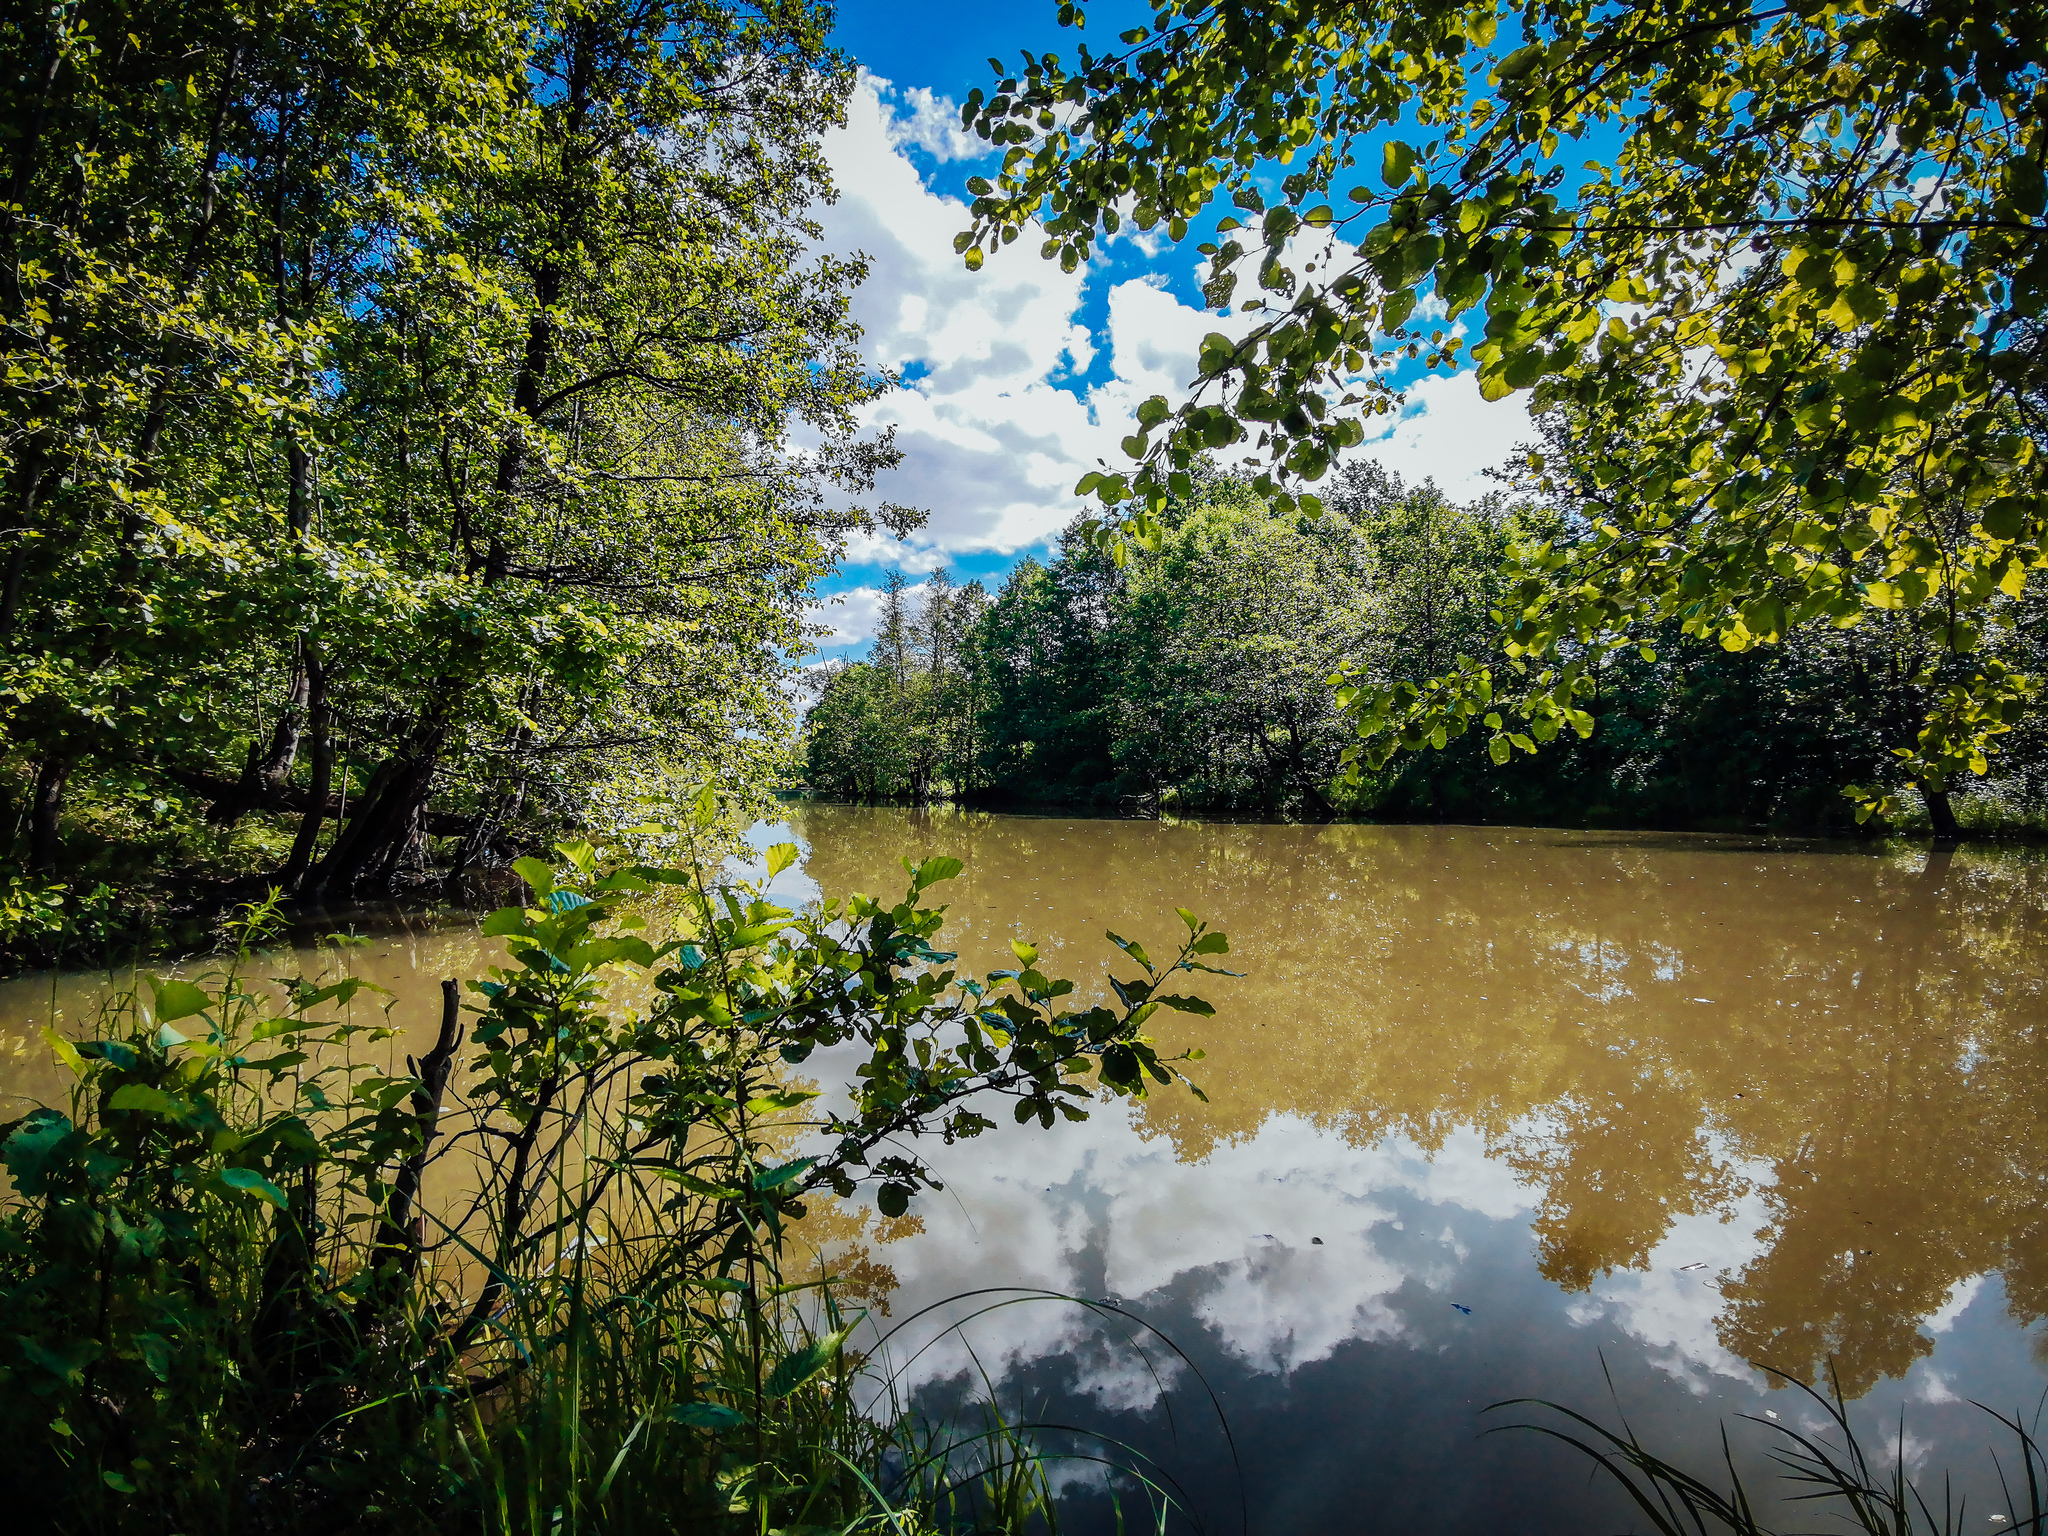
(1493, 1113)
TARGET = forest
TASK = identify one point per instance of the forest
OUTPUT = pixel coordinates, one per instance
(399, 422)
(1198, 678)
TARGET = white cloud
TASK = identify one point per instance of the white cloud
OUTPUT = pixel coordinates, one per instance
(1447, 432)
(992, 442)
(849, 617)
(1673, 1305)
(859, 548)
(932, 123)
(853, 616)
(1283, 1239)
(1957, 1302)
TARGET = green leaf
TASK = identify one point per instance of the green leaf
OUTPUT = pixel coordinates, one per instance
(1189, 918)
(247, 1181)
(893, 1199)
(66, 1361)
(932, 871)
(793, 1370)
(540, 876)
(1137, 951)
(704, 809)
(770, 1103)
(1027, 954)
(715, 1417)
(65, 1051)
(1185, 1004)
(775, 1178)
(147, 1100)
(697, 1186)
(1211, 944)
(1397, 162)
(177, 1000)
(780, 857)
(503, 921)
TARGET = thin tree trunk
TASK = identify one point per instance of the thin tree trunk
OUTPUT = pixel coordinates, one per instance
(44, 810)
(403, 1236)
(321, 766)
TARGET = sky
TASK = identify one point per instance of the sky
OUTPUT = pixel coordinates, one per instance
(1018, 378)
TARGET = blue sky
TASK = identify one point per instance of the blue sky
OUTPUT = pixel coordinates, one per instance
(1020, 376)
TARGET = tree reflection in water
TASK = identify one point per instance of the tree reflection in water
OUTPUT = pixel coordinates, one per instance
(1643, 1028)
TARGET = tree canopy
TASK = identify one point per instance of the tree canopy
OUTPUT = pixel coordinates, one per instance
(418, 418)
(1788, 314)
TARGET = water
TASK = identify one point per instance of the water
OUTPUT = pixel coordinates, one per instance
(1562, 1108)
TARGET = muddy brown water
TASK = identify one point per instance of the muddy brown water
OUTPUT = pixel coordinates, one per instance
(1599, 1118)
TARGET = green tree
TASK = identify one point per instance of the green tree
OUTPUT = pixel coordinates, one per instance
(903, 725)
(418, 386)
(1229, 632)
(1790, 313)
(1051, 667)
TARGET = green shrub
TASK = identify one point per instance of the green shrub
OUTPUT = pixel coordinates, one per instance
(251, 1284)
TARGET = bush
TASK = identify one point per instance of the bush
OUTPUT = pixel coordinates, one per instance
(250, 1284)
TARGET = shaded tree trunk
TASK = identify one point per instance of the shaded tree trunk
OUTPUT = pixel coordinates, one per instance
(321, 766)
(1941, 814)
(267, 768)
(46, 805)
(389, 824)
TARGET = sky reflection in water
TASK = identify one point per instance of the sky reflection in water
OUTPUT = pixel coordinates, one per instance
(1667, 1103)
(1674, 1103)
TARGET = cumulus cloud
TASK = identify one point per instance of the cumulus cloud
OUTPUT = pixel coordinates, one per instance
(1005, 406)
(853, 616)
(929, 121)
(1447, 432)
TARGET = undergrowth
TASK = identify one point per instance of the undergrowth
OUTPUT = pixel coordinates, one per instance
(542, 1278)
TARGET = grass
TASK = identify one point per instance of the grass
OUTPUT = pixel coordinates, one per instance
(1829, 1472)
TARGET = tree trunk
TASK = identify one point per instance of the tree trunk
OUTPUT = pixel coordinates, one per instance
(45, 807)
(403, 1235)
(1941, 814)
(477, 843)
(389, 824)
(267, 768)
(321, 767)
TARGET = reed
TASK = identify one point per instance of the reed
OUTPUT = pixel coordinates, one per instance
(1830, 1473)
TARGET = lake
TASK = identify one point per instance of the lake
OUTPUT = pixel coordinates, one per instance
(1493, 1113)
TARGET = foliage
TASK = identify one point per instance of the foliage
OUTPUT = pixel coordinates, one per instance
(534, 1281)
(1788, 317)
(1229, 629)
(904, 724)
(1193, 675)
(402, 413)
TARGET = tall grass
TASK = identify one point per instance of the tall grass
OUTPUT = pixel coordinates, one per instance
(1829, 1474)
(539, 1280)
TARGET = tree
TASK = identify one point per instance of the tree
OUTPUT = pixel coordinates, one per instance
(1228, 633)
(1790, 316)
(1051, 667)
(903, 723)
(421, 384)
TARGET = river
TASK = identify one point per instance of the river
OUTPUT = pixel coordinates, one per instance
(1493, 1113)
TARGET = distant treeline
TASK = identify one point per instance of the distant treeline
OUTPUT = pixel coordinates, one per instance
(1195, 677)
